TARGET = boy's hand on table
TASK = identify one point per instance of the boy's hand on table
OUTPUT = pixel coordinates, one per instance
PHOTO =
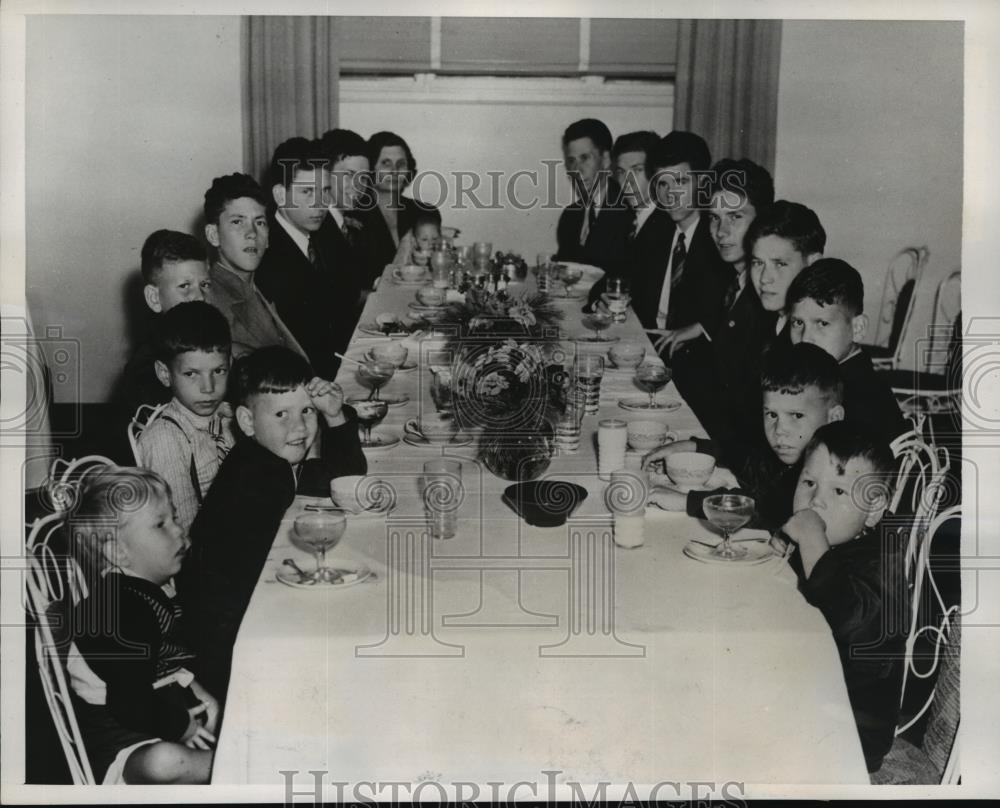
(676, 338)
(654, 460)
(328, 399)
(668, 499)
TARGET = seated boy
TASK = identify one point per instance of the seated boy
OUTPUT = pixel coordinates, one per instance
(418, 244)
(716, 372)
(236, 225)
(281, 407)
(825, 304)
(852, 571)
(192, 435)
(802, 391)
(782, 241)
(173, 268)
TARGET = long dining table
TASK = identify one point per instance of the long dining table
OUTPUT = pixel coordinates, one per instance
(515, 653)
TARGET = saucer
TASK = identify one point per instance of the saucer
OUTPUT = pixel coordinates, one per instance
(400, 281)
(598, 339)
(385, 440)
(290, 577)
(757, 553)
(375, 330)
(392, 401)
(460, 439)
(641, 404)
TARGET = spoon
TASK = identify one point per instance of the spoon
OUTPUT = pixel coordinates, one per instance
(290, 562)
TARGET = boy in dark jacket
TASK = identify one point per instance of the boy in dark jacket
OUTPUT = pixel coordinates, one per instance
(852, 572)
(282, 409)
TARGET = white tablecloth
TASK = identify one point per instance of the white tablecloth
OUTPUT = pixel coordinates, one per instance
(510, 650)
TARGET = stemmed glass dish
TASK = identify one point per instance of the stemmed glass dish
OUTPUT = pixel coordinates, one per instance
(652, 379)
(376, 375)
(729, 512)
(320, 531)
(370, 413)
(597, 322)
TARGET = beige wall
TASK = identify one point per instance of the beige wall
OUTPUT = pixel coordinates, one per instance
(870, 136)
(128, 120)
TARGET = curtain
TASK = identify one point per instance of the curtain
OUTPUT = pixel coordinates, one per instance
(727, 86)
(290, 73)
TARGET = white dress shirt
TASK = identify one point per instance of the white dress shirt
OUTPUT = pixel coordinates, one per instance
(664, 305)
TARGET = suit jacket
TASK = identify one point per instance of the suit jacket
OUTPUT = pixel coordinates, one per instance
(229, 297)
(377, 244)
(608, 238)
(351, 257)
(320, 305)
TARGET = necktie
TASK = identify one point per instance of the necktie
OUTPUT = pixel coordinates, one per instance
(588, 223)
(635, 229)
(314, 258)
(732, 292)
(677, 261)
(217, 435)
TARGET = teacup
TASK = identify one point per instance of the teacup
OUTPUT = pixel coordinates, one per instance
(432, 296)
(689, 469)
(627, 355)
(394, 353)
(436, 428)
(354, 493)
(412, 272)
(644, 436)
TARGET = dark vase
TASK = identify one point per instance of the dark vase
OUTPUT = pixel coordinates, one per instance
(517, 456)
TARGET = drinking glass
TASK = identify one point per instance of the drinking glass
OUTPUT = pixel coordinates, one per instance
(589, 372)
(441, 269)
(544, 271)
(652, 379)
(617, 298)
(482, 251)
(320, 531)
(567, 437)
(370, 413)
(597, 322)
(376, 375)
(728, 512)
(442, 495)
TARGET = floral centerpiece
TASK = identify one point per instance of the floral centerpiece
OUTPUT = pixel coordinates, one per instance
(507, 377)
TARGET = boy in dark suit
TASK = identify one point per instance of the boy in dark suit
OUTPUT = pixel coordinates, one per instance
(341, 234)
(679, 288)
(825, 305)
(595, 228)
(717, 378)
(281, 409)
(318, 303)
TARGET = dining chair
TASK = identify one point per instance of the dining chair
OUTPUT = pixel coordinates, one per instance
(898, 299)
(66, 476)
(921, 485)
(144, 416)
(55, 584)
(925, 586)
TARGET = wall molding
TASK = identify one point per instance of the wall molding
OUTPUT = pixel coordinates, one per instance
(430, 88)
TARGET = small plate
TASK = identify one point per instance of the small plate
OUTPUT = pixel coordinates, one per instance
(641, 404)
(373, 330)
(420, 308)
(386, 440)
(392, 401)
(460, 439)
(290, 577)
(757, 553)
(600, 339)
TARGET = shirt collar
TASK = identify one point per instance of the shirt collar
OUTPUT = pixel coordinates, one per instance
(301, 239)
(642, 214)
(338, 217)
(202, 422)
(689, 230)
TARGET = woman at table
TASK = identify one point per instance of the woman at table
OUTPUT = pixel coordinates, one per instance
(390, 215)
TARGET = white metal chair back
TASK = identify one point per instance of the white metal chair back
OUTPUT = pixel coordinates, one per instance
(924, 580)
(66, 477)
(906, 266)
(144, 416)
(947, 305)
(56, 584)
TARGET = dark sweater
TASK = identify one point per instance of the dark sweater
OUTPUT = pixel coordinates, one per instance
(127, 632)
(761, 475)
(861, 590)
(233, 532)
(868, 398)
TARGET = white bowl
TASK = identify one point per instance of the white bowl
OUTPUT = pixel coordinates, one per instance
(690, 469)
(644, 436)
